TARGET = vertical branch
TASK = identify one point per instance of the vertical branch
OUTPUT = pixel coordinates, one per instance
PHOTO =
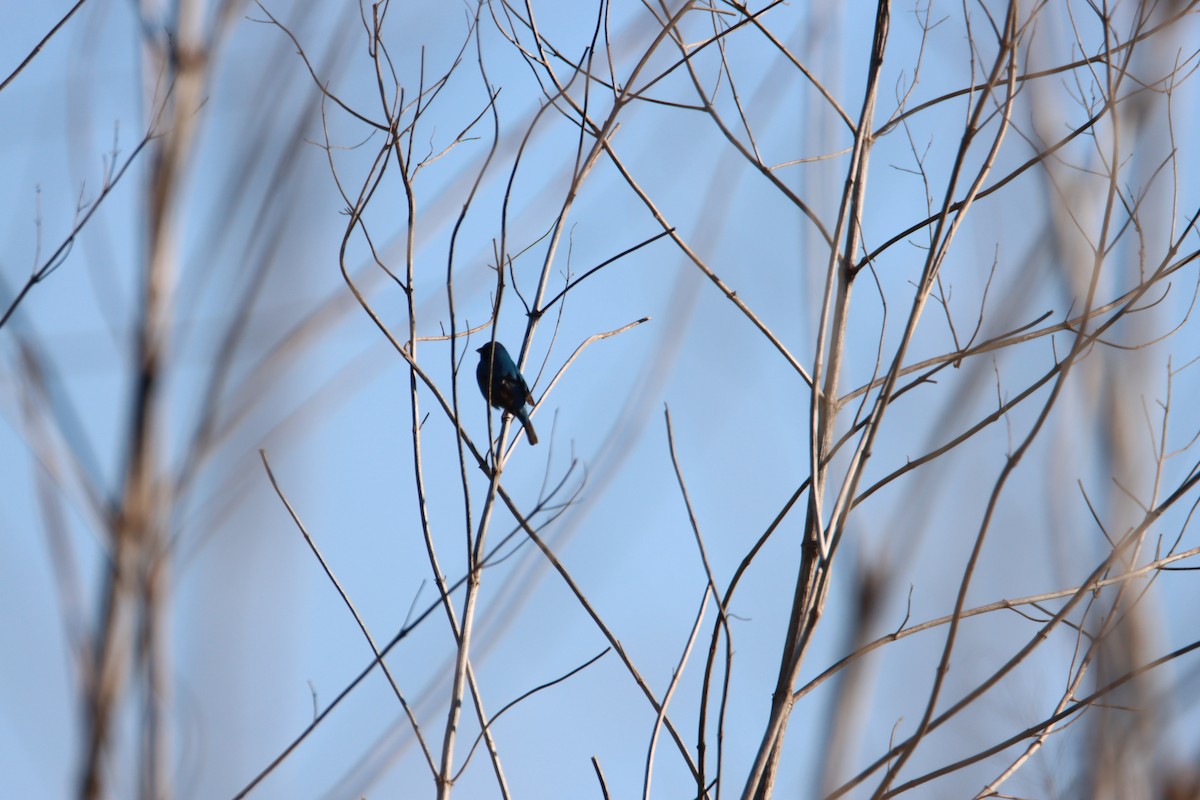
(811, 579)
(136, 581)
(463, 671)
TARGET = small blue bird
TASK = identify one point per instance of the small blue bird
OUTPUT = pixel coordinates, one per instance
(501, 384)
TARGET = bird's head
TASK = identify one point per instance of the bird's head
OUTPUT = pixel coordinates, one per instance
(486, 350)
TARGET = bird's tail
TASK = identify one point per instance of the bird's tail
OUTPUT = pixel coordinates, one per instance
(524, 417)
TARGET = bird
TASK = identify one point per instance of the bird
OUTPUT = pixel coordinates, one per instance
(501, 384)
